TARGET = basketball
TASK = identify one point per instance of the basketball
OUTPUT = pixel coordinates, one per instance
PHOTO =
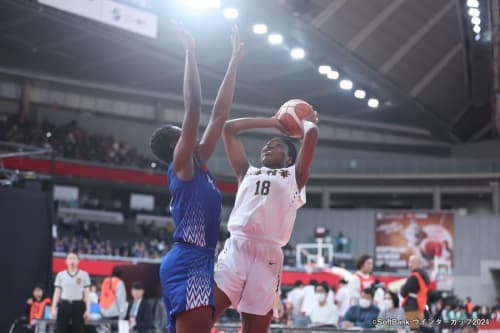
(291, 114)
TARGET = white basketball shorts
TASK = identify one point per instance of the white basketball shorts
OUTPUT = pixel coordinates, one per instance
(249, 273)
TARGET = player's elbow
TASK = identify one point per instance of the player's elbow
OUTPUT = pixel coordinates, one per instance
(229, 128)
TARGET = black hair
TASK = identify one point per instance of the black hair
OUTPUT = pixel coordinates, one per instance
(117, 272)
(369, 291)
(292, 151)
(162, 142)
(395, 299)
(361, 261)
(324, 285)
(137, 285)
(298, 283)
(313, 282)
(344, 281)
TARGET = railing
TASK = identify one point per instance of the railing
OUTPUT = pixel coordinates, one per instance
(323, 166)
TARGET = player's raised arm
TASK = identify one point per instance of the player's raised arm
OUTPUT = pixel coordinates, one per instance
(232, 143)
(183, 153)
(307, 150)
(222, 105)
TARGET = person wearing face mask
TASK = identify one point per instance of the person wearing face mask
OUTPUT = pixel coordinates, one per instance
(323, 312)
(393, 317)
(364, 314)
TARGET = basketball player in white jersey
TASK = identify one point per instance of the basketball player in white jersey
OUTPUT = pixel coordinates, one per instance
(248, 271)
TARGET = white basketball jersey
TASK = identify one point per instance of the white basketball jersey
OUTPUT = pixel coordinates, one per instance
(266, 205)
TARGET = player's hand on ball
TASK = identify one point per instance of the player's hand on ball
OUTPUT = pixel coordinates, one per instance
(184, 36)
(312, 118)
(279, 126)
(236, 42)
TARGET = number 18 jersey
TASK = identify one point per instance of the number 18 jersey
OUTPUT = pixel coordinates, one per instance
(266, 205)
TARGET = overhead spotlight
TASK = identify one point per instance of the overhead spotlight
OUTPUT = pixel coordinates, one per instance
(48, 135)
(477, 37)
(297, 53)
(360, 94)
(333, 75)
(345, 84)
(475, 20)
(200, 4)
(373, 103)
(474, 12)
(260, 29)
(154, 165)
(473, 3)
(230, 13)
(275, 39)
(324, 69)
(477, 29)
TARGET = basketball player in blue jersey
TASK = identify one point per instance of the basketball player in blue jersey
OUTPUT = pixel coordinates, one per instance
(248, 270)
(186, 272)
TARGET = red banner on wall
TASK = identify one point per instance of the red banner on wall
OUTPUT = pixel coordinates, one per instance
(84, 170)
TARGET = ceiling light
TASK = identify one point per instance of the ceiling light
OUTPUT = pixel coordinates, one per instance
(199, 4)
(360, 94)
(473, 3)
(48, 135)
(260, 29)
(477, 37)
(231, 13)
(275, 39)
(373, 103)
(476, 29)
(153, 165)
(324, 69)
(297, 53)
(474, 12)
(475, 20)
(333, 75)
(345, 84)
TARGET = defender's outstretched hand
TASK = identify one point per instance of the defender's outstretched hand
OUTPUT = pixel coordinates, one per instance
(184, 36)
(237, 44)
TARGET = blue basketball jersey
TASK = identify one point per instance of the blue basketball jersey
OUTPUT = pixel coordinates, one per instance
(195, 208)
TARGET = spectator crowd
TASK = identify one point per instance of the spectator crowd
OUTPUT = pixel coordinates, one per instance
(71, 141)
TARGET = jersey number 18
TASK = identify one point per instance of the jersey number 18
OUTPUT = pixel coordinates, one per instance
(262, 187)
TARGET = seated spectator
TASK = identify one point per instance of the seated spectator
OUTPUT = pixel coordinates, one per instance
(362, 315)
(36, 304)
(392, 312)
(323, 312)
(139, 312)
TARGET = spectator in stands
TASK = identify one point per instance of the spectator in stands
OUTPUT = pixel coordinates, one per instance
(113, 300)
(139, 312)
(362, 315)
(414, 292)
(294, 300)
(497, 305)
(35, 306)
(342, 298)
(469, 306)
(309, 298)
(362, 279)
(484, 313)
(392, 312)
(378, 298)
(323, 312)
(342, 243)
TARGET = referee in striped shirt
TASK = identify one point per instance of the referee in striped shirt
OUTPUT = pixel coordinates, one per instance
(71, 301)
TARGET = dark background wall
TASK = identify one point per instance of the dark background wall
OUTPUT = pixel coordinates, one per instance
(26, 217)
